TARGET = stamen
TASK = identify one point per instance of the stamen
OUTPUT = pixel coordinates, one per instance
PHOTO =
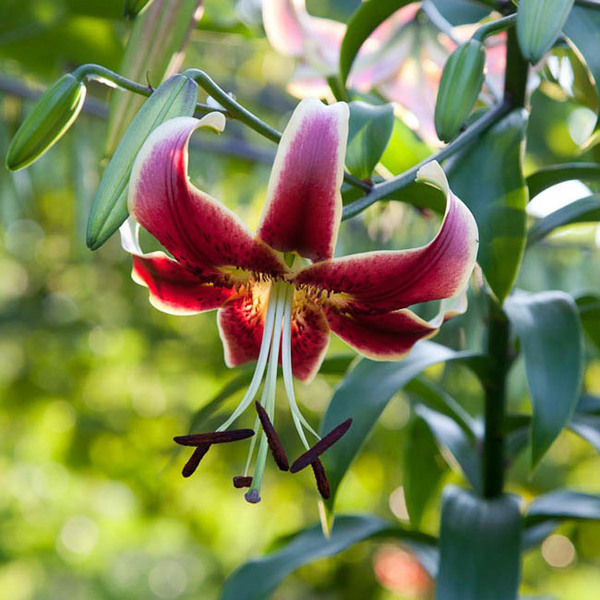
(213, 437)
(242, 481)
(192, 464)
(272, 438)
(321, 477)
(286, 367)
(261, 363)
(326, 442)
(268, 394)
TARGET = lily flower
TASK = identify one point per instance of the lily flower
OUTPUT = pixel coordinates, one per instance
(403, 58)
(279, 291)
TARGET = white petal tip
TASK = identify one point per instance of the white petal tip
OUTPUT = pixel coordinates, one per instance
(433, 174)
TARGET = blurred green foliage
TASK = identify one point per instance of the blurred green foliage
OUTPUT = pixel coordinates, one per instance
(94, 382)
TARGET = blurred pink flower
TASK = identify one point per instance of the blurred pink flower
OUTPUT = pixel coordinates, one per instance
(403, 58)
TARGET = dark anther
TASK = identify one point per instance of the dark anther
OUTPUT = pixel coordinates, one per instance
(213, 437)
(272, 438)
(311, 455)
(321, 477)
(252, 496)
(192, 464)
(242, 481)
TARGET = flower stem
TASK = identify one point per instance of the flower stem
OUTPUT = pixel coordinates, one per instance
(388, 188)
(102, 74)
(515, 87)
(495, 401)
(494, 27)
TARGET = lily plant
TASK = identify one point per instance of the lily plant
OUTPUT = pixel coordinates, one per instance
(280, 291)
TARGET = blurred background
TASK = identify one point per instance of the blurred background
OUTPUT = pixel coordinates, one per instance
(94, 382)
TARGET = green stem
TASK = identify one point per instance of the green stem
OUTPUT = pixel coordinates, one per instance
(493, 27)
(391, 186)
(92, 71)
(495, 401)
(515, 87)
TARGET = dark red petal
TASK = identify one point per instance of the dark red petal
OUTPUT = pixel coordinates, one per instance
(388, 336)
(173, 289)
(241, 323)
(198, 230)
(393, 280)
(304, 204)
(310, 338)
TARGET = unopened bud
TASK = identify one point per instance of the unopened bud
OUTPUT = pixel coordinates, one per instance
(46, 122)
(460, 85)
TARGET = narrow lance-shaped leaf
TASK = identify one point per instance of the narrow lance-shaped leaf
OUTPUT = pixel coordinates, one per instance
(539, 24)
(547, 177)
(480, 547)
(564, 504)
(424, 468)
(549, 330)
(174, 98)
(154, 51)
(583, 210)
(582, 28)
(364, 394)
(488, 177)
(363, 22)
(450, 436)
(370, 129)
(257, 579)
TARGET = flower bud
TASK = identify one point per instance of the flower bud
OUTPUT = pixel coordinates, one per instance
(460, 85)
(539, 24)
(46, 122)
(176, 97)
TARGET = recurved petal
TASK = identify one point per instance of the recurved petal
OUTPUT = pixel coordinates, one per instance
(241, 322)
(173, 288)
(310, 338)
(396, 279)
(304, 204)
(199, 231)
(388, 336)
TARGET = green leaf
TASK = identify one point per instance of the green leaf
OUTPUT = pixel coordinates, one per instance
(549, 329)
(366, 391)
(154, 51)
(582, 28)
(480, 547)
(539, 25)
(405, 150)
(587, 427)
(424, 468)
(176, 97)
(450, 435)
(589, 313)
(370, 129)
(363, 22)
(583, 210)
(549, 176)
(564, 504)
(432, 395)
(257, 579)
(488, 178)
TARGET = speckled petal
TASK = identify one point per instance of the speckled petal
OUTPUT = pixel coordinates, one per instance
(173, 289)
(388, 336)
(310, 338)
(198, 231)
(304, 204)
(391, 280)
